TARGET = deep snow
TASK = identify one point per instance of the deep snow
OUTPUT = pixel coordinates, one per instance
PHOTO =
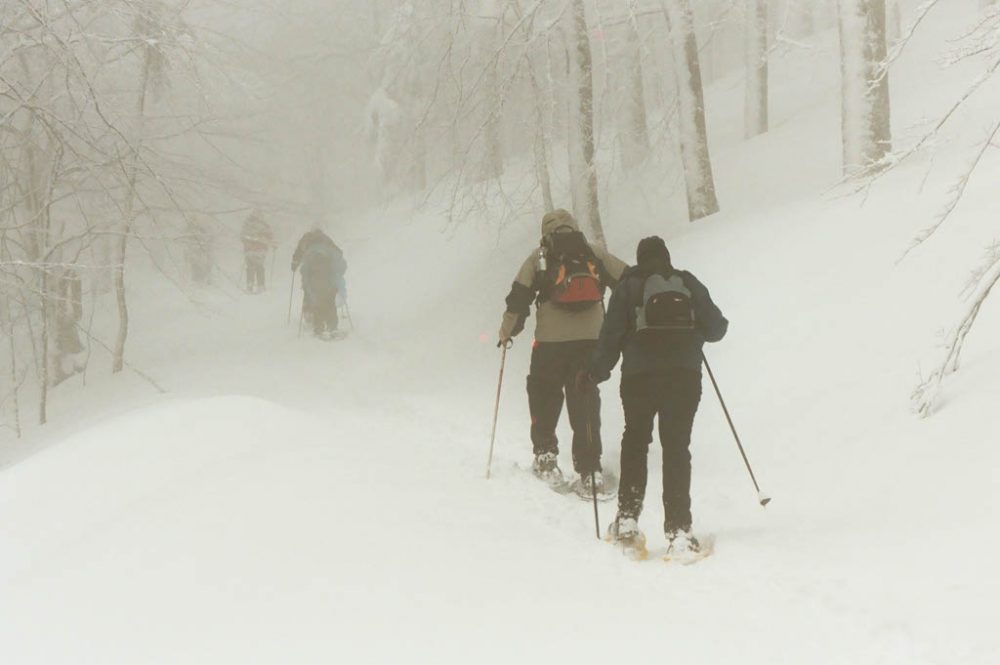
(292, 501)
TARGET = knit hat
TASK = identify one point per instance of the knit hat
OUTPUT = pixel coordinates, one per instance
(556, 220)
(652, 250)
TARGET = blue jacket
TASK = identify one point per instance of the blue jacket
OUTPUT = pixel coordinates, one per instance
(683, 351)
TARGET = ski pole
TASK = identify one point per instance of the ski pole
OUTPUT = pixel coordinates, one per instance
(763, 499)
(593, 484)
(291, 297)
(302, 314)
(496, 407)
(347, 309)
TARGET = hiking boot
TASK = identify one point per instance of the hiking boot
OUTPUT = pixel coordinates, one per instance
(682, 544)
(546, 467)
(591, 483)
(624, 531)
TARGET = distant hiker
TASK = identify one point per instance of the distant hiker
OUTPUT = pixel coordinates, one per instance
(565, 278)
(323, 269)
(198, 248)
(658, 320)
(257, 241)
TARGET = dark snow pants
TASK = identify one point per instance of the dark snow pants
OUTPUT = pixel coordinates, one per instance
(321, 306)
(255, 272)
(552, 377)
(674, 397)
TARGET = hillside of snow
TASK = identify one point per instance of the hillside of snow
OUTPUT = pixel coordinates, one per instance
(295, 501)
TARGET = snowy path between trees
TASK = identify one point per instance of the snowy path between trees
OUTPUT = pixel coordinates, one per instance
(305, 502)
(292, 501)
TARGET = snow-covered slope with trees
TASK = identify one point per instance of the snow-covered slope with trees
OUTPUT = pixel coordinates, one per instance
(293, 501)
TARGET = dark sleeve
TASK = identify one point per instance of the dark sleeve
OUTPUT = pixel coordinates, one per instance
(709, 319)
(299, 249)
(613, 332)
(519, 302)
(339, 263)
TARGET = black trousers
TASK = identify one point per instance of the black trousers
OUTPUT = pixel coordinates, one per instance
(321, 308)
(674, 397)
(552, 377)
(255, 273)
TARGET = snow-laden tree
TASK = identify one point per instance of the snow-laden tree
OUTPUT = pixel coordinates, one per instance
(396, 111)
(756, 98)
(700, 182)
(635, 124)
(866, 132)
(583, 169)
(981, 43)
(89, 172)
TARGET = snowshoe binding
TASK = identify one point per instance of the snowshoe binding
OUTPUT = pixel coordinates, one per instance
(624, 532)
(546, 468)
(684, 548)
(605, 485)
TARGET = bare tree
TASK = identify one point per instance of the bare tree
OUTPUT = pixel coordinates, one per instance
(635, 135)
(695, 155)
(583, 170)
(983, 39)
(756, 102)
(865, 117)
(85, 166)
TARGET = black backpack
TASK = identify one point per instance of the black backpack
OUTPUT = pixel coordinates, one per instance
(664, 306)
(572, 278)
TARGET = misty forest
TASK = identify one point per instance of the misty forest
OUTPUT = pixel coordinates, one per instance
(255, 255)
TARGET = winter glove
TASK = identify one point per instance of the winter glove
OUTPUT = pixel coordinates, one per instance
(510, 326)
(585, 383)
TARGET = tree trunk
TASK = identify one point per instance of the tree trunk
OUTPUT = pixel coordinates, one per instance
(493, 157)
(541, 143)
(118, 355)
(894, 16)
(589, 211)
(865, 112)
(635, 141)
(691, 112)
(756, 68)
(15, 382)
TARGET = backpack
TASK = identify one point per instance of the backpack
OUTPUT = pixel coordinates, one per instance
(319, 268)
(665, 306)
(572, 278)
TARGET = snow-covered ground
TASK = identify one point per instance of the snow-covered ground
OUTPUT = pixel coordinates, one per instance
(294, 501)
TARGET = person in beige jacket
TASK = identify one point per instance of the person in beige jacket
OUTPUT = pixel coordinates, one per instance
(565, 278)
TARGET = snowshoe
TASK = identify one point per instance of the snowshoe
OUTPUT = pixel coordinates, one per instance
(684, 548)
(624, 532)
(606, 485)
(546, 468)
(331, 335)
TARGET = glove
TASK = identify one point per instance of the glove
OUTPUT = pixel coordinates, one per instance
(585, 383)
(508, 328)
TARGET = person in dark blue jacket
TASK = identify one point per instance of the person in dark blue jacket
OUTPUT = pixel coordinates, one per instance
(661, 376)
(323, 267)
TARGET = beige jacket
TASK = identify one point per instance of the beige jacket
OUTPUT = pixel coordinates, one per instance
(554, 323)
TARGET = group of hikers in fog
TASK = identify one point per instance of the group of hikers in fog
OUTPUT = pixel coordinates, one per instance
(657, 320)
(318, 260)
